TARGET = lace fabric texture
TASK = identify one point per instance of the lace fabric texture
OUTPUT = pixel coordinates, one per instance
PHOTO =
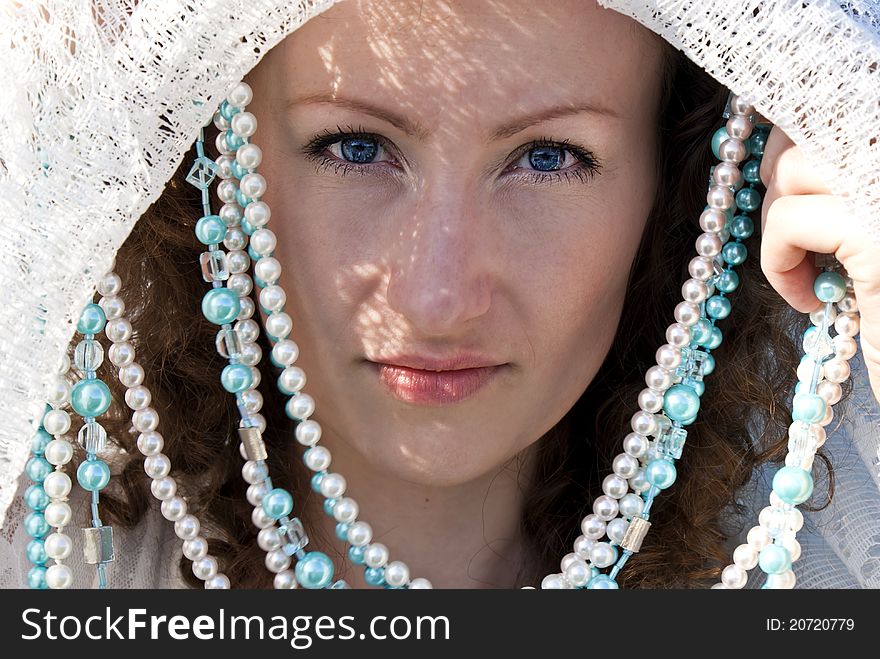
(102, 98)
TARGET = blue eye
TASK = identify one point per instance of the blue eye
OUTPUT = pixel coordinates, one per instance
(358, 149)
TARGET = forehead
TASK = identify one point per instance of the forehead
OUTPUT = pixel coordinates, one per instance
(451, 58)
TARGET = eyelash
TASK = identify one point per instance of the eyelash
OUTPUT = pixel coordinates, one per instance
(587, 166)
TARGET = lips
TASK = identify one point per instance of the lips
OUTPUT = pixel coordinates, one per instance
(429, 387)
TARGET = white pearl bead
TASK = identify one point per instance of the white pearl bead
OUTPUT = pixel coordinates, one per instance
(669, 356)
(302, 406)
(226, 194)
(258, 214)
(702, 268)
(118, 330)
(740, 105)
(639, 483)
(237, 261)
(746, 556)
(292, 378)
(224, 162)
(333, 485)
(605, 507)
(259, 419)
(222, 145)
(59, 577)
(733, 576)
(269, 539)
(58, 513)
(845, 347)
(157, 466)
(602, 554)
(240, 283)
(268, 269)
(248, 330)
(712, 220)
(578, 573)
(617, 529)
(359, 534)
(57, 485)
(243, 124)
(195, 548)
(217, 582)
(727, 173)
(256, 492)
(131, 375)
(273, 298)
(264, 242)
(109, 284)
(739, 127)
(635, 444)
(375, 555)
(650, 400)
(829, 416)
(249, 156)
(137, 398)
(279, 324)
(63, 365)
(732, 151)
(848, 303)
(817, 316)
(625, 466)
(58, 546)
(114, 307)
(251, 354)
(205, 568)
(59, 452)
(805, 370)
(582, 546)
(277, 561)
(708, 244)
(631, 505)
(252, 472)
(567, 560)
(121, 354)
(56, 422)
(687, 313)
(163, 488)
(831, 392)
(253, 185)
(553, 582)
(59, 393)
(694, 290)
(241, 95)
(346, 510)
(643, 423)
(260, 519)
(396, 574)
(145, 420)
(187, 527)
(793, 547)
(837, 370)
(285, 580)
(173, 509)
(758, 537)
(235, 237)
(318, 458)
(678, 335)
(285, 352)
(847, 324)
(593, 527)
(253, 401)
(150, 443)
(720, 196)
(614, 486)
(420, 583)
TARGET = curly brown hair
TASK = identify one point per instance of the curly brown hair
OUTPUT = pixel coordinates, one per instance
(743, 418)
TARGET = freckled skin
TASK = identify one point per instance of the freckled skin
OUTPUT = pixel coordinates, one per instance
(444, 242)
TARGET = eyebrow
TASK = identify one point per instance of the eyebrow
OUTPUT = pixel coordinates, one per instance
(422, 132)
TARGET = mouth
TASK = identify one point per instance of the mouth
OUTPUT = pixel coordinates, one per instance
(424, 387)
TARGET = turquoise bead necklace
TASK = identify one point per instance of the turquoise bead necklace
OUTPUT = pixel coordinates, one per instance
(669, 403)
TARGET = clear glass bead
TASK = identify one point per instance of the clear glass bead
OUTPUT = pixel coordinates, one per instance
(294, 536)
(89, 355)
(670, 441)
(92, 437)
(228, 344)
(214, 266)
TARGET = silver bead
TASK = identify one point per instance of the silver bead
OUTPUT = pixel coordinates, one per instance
(243, 124)
(249, 156)
(164, 488)
(739, 127)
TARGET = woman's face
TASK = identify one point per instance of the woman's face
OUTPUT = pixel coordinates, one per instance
(447, 178)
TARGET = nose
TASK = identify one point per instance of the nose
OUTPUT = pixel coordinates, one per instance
(442, 273)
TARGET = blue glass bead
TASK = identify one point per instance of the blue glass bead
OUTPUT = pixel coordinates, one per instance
(793, 485)
(237, 170)
(356, 555)
(742, 227)
(602, 582)
(734, 253)
(38, 468)
(236, 378)
(93, 475)
(329, 505)
(748, 199)
(36, 498)
(262, 284)
(36, 552)
(90, 398)
(277, 503)
(727, 281)
(752, 171)
(718, 137)
(374, 576)
(774, 559)
(227, 111)
(701, 331)
(810, 408)
(660, 473)
(829, 287)
(210, 230)
(36, 578)
(708, 365)
(247, 227)
(342, 530)
(689, 420)
(699, 386)
(253, 253)
(233, 141)
(221, 306)
(243, 202)
(757, 142)
(716, 338)
(39, 441)
(314, 570)
(35, 525)
(680, 402)
(718, 307)
(315, 482)
(91, 320)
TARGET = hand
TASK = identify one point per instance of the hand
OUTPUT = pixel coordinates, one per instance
(801, 217)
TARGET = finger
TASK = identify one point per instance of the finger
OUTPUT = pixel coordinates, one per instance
(795, 226)
(786, 171)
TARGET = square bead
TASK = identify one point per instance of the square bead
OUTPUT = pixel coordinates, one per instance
(228, 343)
(98, 544)
(202, 173)
(671, 441)
(294, 536)
(214, 266)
